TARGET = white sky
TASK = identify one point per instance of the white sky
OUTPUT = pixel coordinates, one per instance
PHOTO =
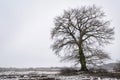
(25, 27)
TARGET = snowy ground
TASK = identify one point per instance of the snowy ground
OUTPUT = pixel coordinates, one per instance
(35, 75)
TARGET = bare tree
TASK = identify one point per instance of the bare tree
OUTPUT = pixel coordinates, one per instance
(79, 35)
(117, 67)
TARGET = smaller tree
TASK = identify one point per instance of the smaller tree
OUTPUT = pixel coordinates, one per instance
(117, 67)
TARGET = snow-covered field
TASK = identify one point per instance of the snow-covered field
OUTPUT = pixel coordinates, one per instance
(38, 75)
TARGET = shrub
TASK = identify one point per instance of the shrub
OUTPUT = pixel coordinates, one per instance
(68, 71)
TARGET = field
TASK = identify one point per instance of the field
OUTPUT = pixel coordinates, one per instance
(46, 75)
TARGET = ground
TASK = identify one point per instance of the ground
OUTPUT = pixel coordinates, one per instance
(34, 75)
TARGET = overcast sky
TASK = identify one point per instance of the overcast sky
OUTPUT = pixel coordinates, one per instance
(25, 27)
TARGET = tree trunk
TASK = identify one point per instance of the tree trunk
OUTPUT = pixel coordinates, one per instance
(82, 60)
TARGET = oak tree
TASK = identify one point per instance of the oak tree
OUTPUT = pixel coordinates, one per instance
(79, 35)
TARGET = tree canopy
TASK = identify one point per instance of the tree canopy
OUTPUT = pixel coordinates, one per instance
(79, 35)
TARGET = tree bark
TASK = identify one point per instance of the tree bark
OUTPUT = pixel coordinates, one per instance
(82, 60)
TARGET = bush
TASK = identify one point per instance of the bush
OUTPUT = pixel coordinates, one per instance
(103, 73)
(117, 67)
(68, 71)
